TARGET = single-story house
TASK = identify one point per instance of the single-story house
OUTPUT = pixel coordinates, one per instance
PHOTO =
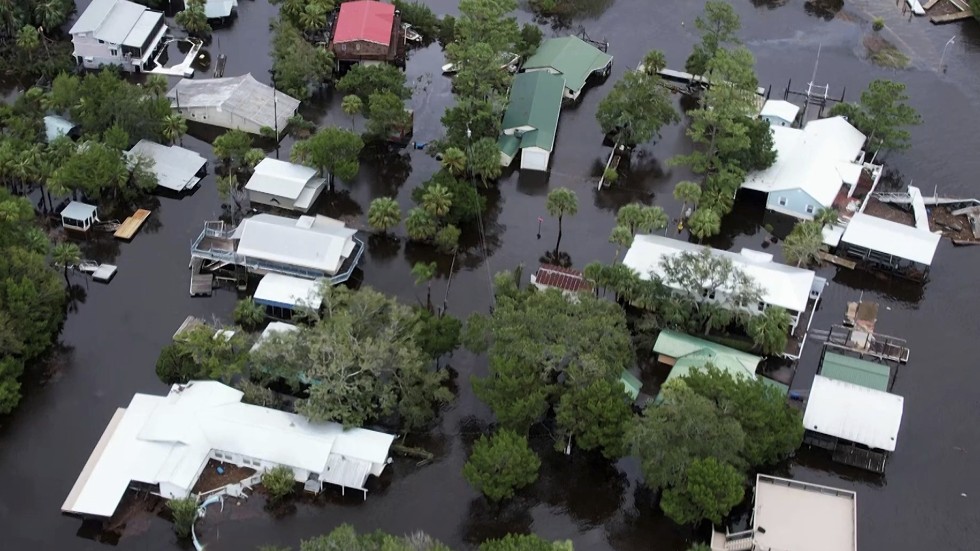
(274, 328)
(798, 516)
(55, 126)
(241, 103)
(849, 369)
(779, 112)
(79, 216)
(282, 294)
(367, 31)
(117, 32)
(814, 165)
(571, 57)
(888, 244)
(686, 353)
(566, 280)
(176, 168)
(530, 123)
(218, 9)
(785, 286)
(859, 424)
(286, 185)
(161, 444)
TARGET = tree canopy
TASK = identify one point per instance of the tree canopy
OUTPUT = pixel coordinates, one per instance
(883, 115)
(719, 25)
(333, 151)
(298, 67)
(501, 464)
(637, 107)
(365, 80)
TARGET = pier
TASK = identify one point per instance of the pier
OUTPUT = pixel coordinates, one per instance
(201, 283)
(131, 225)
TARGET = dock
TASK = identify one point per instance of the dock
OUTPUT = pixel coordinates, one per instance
(190, 322)
(842, 262)
(691, 80)
(940, 19)
(131, 225)
(201, 283)
(104, 273)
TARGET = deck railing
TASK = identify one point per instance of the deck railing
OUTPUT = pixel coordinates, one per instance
(256, 264)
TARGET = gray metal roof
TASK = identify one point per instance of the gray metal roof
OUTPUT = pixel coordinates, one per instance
(243, 95)
(117, 22)
(78, 211)
(214, 9)
(142, 29)
(93, 16)
(175, 167)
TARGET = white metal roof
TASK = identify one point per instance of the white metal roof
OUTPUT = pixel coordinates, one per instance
(781, 285)
(175, 167)
(120, 22)
(242, 95)
(885, 236)
(78, 211)
(280, 178)
(799, 516)
(271, 330)
(817, 159)
(117, 22)
(167, 439)
(854, 413)
(93, 16)
(214, 9)
(283, 290)
(780, 109)
(315, 242)
(143, 28)
(55, 126)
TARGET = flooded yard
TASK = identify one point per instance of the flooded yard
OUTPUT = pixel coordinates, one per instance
(926, 500)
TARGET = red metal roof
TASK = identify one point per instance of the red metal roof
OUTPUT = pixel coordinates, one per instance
(561, 278)
(367, 20)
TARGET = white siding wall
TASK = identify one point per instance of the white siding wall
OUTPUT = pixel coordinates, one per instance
(267, 199)
(87, 46)
(535, 158)
(172, 491)
(224, 119)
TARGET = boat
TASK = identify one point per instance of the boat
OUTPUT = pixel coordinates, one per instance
(511, 64)
(410, 33)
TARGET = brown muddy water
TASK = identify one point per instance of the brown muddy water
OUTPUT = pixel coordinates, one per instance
(927, 500)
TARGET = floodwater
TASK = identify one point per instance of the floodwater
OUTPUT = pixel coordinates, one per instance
(927, 500)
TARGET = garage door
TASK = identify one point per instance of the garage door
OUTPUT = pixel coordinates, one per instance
(534, 159)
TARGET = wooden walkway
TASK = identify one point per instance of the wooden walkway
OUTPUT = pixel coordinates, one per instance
(842, 262)
(201, 284)
(131, 225)
(940, 19)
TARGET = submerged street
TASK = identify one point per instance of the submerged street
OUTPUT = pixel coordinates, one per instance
(926, 499)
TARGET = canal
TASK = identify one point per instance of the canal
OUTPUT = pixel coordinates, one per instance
(928, 498)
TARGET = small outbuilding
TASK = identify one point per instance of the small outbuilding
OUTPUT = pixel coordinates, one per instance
(274, 328)
(282, 295)
(176, 168)
(286, 185)
(685, 353)
(566, 280)
(573, 59)
(220, 9)
(240, 103)
(779, 112)
(890, 245)
(79, 216)
(530, 123)
(367, 31)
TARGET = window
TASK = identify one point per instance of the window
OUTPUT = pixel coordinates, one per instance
(112, 51)
(761, 306)
(809, 209)
(711, 295)
(782, 201)
(217, 455)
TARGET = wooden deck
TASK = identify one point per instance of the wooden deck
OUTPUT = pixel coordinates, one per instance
(131, 225)
(201, 283)
(940, 19)
(842, 262)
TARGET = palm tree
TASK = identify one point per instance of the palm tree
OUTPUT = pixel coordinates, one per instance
(249, 314)
(66, 254)
(51, 14)
(704, 222)
(769, 330)
(561, 201)
(437, 200)
(384, 214)
(594, 273)
(424, 272)
(174, 127)
(420, 224)
(640, 218)
(313, 17)
(28, 40)
(687, 192)
(156, 85)
(622, 237)
(826, 216)
(454, 160)
(352, 105)
(802, 245)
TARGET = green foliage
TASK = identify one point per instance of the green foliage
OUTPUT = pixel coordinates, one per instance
(879, 23)
(420, 17)
(332, 151)
(387, 116)
(501, 464)
(279, 482)
(882, 114)
(802, 245)
(597, 416)
(709, 492)
(454, 161)
(638, 218)
(184, 514)
(687, 192)
(345, 538)
(481, 116)
(421, 226)
(484, 22)
(384, 214)
(525, 542)
(637, 108)
(531, 37)
(174, 126)
(298, 67)
(481, 74)
(610, 175)
(561, 201)
(232, 146)
(437, 335)
(447, 30)
(352, 106)
(93, 170)
(10, 371)
(437, 200)
(719, 26)
(447, 238)
(705, 222)
(773, 430)
(769, 329)
(366, 80)
(193, 19)
(485, 159)
(175, 365)
(465, 203)
(975, 7)
(258, 395)
(249, 314)
(361, 360)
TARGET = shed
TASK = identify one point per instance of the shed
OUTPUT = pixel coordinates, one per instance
(176, 168)
(286, 185)
(240, 102)
(686, 353)
(855, 371)
(530, 123)
(572, 58)
(366, 30)
(283, 294)
(854, 413)
(79, 216)
(274, 328)
(779, 112)
(55, 126)
(888, 242)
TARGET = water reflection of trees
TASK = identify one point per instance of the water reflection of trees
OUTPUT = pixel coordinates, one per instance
(486, 520)
(769, 4)
(824, 9)
(568, 11)
(585, 486)
(891, 286)
(382, 248)
(385, 170)
(645, 523)
(338, 204)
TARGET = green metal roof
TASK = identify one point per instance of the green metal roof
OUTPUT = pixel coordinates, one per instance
(508, 145)
(535, 103)
(571, 56)
(631, 384)
(678, 345)
(855, 371)
(723, 362)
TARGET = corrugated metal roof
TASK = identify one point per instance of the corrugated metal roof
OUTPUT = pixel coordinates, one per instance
(367, 20)
(119, 22)
(561, 278)
(176, 168)
(631, 383)
(78, 211)
(93, 16)
(142, 29)
(535, 102)
(317, 243)
(885, 236)
(854, 413)
(280, 178)
(574, 58)
(780, 109)
(288, 292)
(242, 95)
(856, 371)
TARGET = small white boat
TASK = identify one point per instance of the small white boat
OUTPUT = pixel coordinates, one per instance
(450, 69)
(411, 34)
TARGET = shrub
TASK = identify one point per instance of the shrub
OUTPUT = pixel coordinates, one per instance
(184, 513)
(279, 482)
(878, 24)
(248, 314)
(174, 365)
